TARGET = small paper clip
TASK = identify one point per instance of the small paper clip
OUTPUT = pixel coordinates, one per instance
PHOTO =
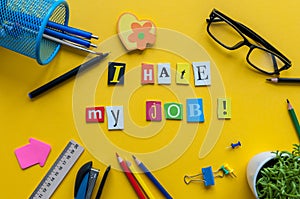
(207, 175)
(227, 170)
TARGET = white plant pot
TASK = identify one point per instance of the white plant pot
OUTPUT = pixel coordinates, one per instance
(254, 166)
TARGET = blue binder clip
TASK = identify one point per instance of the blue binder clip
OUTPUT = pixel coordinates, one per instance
(207, 174)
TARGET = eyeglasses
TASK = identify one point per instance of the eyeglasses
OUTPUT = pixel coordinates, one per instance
(232, 35)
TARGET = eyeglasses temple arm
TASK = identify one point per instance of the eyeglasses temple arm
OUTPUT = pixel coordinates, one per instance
(274, 63)
(251, 34)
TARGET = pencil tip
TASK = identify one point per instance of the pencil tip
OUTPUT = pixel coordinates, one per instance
(102, 54)
(287, 101)
(94, 37)
(133, 157)
(108, 168)
(268, 80)
(117, 155)
(105, 54)
(30, 95)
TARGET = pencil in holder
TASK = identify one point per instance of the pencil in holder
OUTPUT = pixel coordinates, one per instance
(22, 25)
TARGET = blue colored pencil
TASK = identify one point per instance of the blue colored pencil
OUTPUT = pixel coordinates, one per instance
(152, 178)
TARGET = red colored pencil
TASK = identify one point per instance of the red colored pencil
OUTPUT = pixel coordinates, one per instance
(130, 177)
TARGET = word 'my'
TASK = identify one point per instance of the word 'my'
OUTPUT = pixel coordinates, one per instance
(115, 116)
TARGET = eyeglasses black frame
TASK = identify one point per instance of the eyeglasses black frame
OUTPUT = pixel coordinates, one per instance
(217, 16)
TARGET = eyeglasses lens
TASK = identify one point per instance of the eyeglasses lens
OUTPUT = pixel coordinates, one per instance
(229, 37)
(225, 34)
(264, 60)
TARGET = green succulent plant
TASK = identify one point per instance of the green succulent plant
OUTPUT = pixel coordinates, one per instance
(280, 177)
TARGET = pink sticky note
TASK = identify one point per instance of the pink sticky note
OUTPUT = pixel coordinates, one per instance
(36, 152)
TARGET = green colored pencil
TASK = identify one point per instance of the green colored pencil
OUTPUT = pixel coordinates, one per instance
(294, 118)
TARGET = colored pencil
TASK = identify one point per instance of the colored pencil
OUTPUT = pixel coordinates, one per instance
(140, 181)
(102, 183)
(152, 178)
(66, 76)
(294, 118)
(130, 177)
(284, 80)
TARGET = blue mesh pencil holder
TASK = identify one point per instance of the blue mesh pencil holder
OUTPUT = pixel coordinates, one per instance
(22, 25)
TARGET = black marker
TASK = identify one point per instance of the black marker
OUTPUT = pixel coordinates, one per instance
(101, 186)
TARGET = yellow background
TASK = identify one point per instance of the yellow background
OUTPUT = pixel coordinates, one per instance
(259, 114)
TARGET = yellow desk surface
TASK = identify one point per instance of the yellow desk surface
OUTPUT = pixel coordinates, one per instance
(260, 120)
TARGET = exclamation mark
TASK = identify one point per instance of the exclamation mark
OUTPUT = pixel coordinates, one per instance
(224, 108)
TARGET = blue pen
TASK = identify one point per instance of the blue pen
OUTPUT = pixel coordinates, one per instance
(57, 26)
(74, 39)
(71, 30)
(59, 34)
(152, 178)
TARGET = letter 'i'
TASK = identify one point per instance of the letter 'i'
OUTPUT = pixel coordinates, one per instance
(116, 73)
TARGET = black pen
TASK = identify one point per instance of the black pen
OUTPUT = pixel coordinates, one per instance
(102, 183)
(66, 76)
(284, 80)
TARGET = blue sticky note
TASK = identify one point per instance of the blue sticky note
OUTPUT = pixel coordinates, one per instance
(194, 110)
